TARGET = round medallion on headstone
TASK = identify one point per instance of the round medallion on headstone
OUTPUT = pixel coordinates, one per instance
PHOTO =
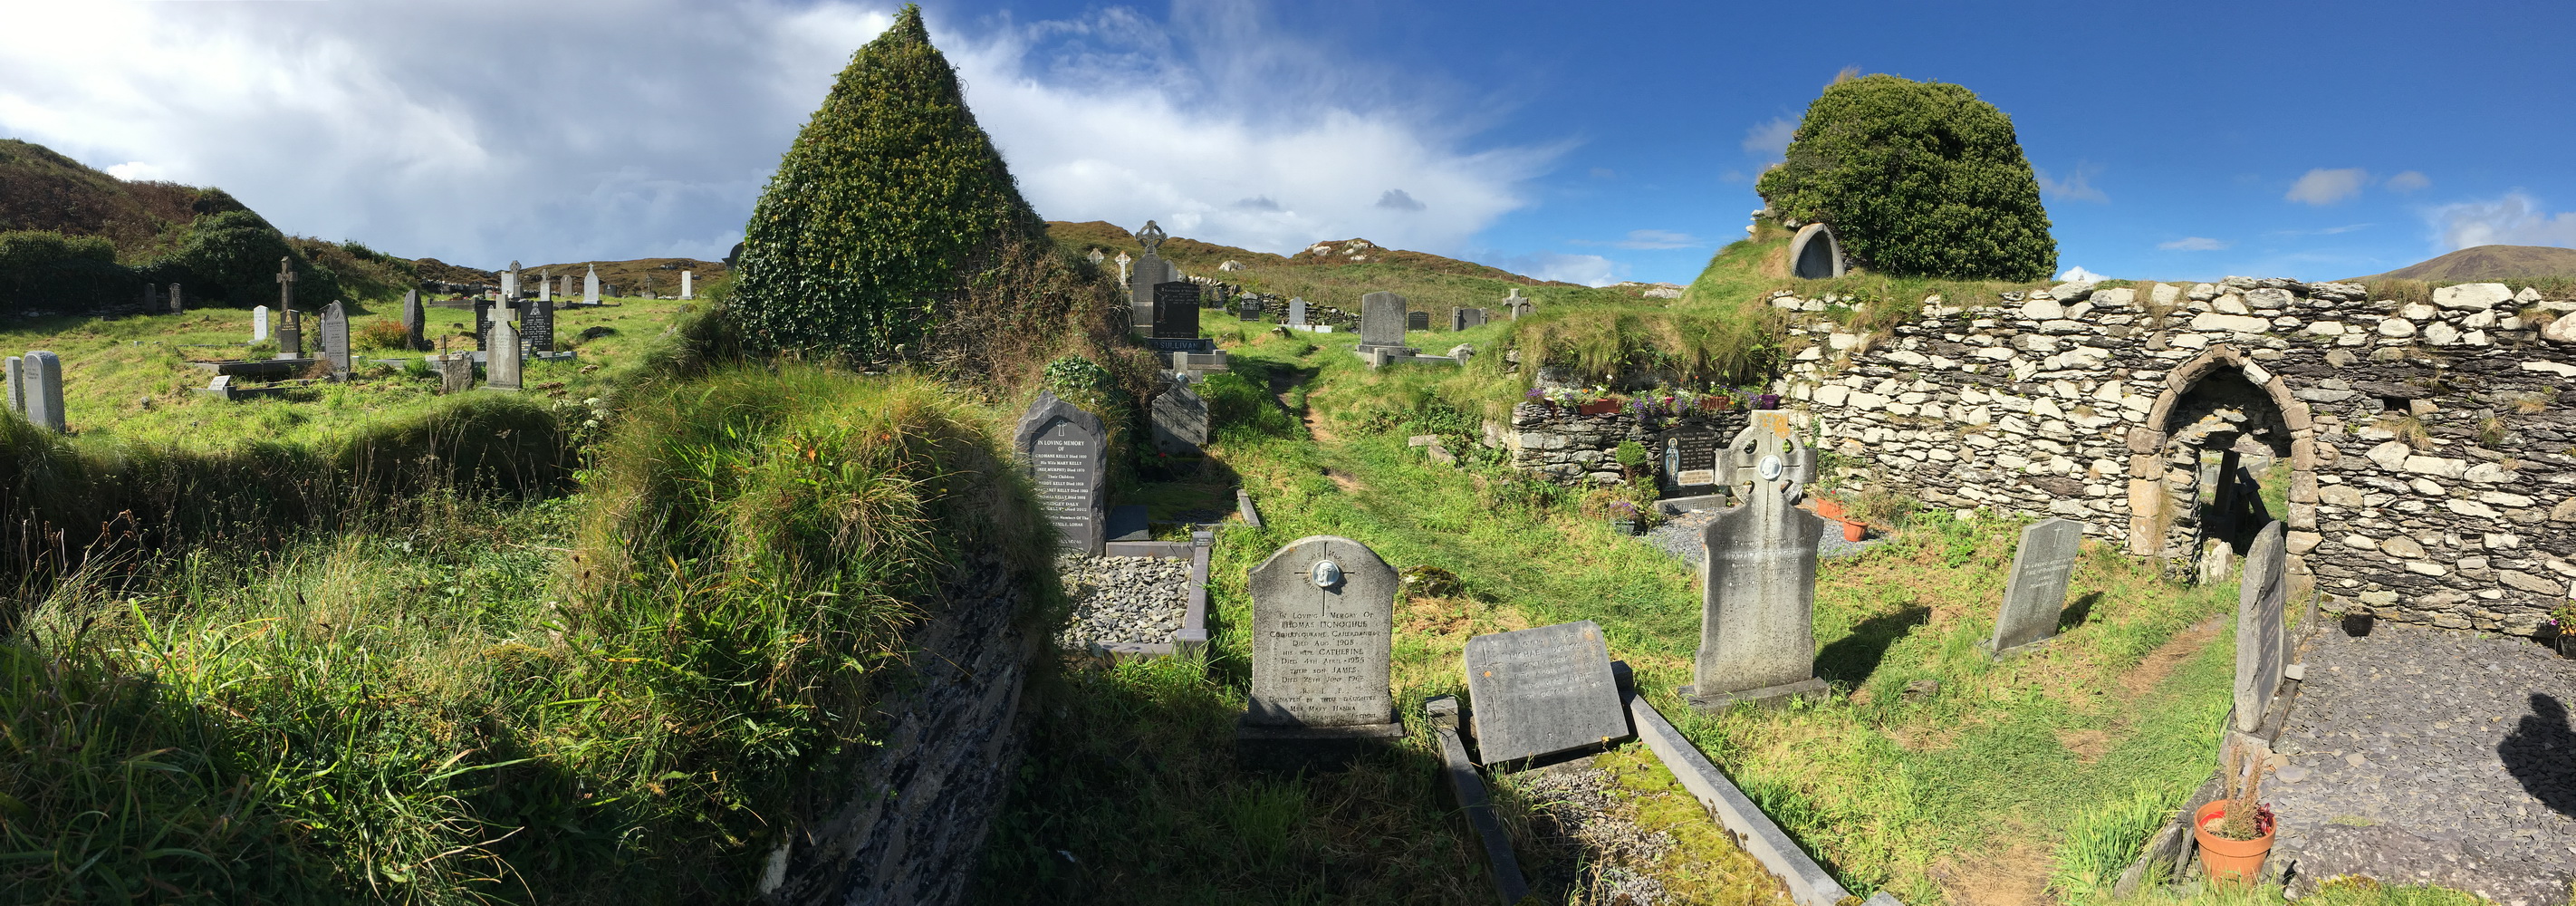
(1326, 574)
(1771, 468)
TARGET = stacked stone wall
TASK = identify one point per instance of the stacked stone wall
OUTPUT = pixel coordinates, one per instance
(2428, 443)
(1560, 445)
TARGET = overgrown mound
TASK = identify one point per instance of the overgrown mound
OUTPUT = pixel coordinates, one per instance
(1916, 178)
(889, 208)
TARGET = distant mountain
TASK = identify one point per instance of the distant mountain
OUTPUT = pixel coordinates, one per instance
(632, 278)
(2489, 262)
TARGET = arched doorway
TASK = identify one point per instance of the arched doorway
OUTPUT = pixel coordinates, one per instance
(2226, 451)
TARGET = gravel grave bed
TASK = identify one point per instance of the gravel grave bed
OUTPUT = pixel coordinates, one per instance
(1122, 599)
(2417, 754)
(1591, 844)
(1679, 536)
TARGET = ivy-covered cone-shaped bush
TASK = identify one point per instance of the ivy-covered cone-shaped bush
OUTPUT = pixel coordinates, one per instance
(1916, 178)
(881, 215)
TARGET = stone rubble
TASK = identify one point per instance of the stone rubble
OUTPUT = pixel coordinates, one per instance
(1122, 599)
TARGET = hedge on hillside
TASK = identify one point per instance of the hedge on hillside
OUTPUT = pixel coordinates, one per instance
(229, 256)
(1916, 178)
(886, 209)
(233, 256)
(42, 270)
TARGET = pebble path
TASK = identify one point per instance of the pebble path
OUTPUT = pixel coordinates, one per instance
(1679, 536)
(1122, 599)
(2427, 755)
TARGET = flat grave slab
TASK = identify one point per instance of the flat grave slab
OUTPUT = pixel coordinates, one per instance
(1543, 691)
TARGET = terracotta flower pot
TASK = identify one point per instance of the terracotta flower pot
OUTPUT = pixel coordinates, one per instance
(1598, 407)
(1853, 530)
(1829, 508)
(1717, 403)
(2239, 861)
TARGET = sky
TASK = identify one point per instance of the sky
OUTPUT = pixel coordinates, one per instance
(1585, 142)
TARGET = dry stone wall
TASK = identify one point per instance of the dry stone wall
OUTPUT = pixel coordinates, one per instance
(1559, 444)
(2427, 444)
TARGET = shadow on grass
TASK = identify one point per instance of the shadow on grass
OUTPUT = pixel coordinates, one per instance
(2075, 614)
(1851, 659)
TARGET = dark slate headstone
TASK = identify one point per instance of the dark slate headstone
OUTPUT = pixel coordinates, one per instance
(1180, 421)
(1687, 460)
(1248, 310)
(537, 325)
(2036, 592)
(1176, 310)
(1130, 522)
(415, 322)
(1417, 320)
(482, 323)
(2261, 603)
(1538, 692)
(335, 337)
(1757, 637)
(177, 306)
(1323, 623)
(1068, 458)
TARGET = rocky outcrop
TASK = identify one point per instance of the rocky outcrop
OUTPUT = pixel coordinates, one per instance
(2428, 446)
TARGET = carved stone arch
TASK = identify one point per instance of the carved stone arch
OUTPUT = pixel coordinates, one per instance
(2219, 405)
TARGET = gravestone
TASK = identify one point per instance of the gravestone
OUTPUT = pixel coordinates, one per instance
(151, 297)
(1176, 310)
(335, 338)
(1323, 622)
(1757, 638)
(501, 363)
(537, 325)
(1688, 460)
(1381, 322)
(590, 286)
(1068, 456)
(290, 335)
(2261, 639)
(1814, 254)
(1517, 305)
(687, 289)
(43, 373)
(1464, 318)
(2036, 593)
(483, 324)
(455, 372)
(545, 285)
(1250, 310)
(17, 385)
(510, 283)
(1417, 320)
(177, 307)
(286, 284)
(259, 323)
(1180, 421)
(1149, 274)
(1538, 692)
(1297, 310)
(415, 322)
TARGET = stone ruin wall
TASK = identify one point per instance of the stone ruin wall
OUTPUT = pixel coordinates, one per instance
(2108, 405)
(1563, 447)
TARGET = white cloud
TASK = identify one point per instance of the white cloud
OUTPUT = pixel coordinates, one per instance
(2408, 181)
(1589, 270)
(2077, 186)
(2324, 187)
(2193, 244)
(1398, 200)
(2514, 219)
(1770, 139)
(454, 139)
(2080, 275)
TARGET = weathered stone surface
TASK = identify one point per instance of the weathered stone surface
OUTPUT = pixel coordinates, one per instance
(1382, 319)
(1180, 421)
(1757, 625)
(2233, 323)
(2472, 296)
(2035, 593)
(1541, 691)
(1067, 453)
(1323, 611)
(2262, 601)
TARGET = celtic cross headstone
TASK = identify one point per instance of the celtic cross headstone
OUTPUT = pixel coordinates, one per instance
(1757, 639)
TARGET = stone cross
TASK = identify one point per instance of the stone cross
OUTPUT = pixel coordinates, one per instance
(2262, 642)
(1542, 691)
(1180, 421)
(1123, 261)
(176, 307)
(2036, 592)
(43, 374)
(590, 286)
(1067, 453)
(415, 322)
(1757, 639)
(501, 363)
(1323, 617)
(286, 284)
(335, 338)
(259, 324)
(687, 291)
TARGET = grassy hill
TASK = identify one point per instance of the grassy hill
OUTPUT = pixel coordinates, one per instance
(1338, 272)
(629, 276)
(2488, 262)
(43, 190)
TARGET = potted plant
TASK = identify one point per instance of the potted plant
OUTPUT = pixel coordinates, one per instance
(1623, 517)
(1767, 401)
(1716, 402)
(2235, 831)
(2563, 619)
(1599, 406)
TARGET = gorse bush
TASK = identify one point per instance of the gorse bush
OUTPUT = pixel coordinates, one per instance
(1916, 178)
(233, 256)
(890, 206)
(45, 270)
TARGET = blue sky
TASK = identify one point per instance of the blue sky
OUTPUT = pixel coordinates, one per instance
(1587, 142)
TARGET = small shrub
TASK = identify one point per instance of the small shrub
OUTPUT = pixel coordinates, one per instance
(381, 335)
(1632, 457)
(264, 349)
(1884, 507)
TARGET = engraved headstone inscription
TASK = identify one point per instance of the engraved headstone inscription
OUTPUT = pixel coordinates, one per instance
(1757, 637)
(537, 325)
(1538, 692)
(1068, 459)
(1687, 456)
(2035, 593)
(1323, 622)
(1176, 310)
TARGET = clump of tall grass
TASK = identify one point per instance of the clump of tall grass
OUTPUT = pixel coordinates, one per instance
(1621, 345)
(2101, 843)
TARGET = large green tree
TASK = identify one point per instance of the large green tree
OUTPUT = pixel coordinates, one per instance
(888, 206)
(1916, 177)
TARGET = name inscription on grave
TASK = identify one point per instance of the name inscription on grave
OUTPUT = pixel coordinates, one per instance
(1061, 468)
(1320, 650)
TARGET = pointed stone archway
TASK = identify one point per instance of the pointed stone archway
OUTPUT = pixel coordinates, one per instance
(2220, 420)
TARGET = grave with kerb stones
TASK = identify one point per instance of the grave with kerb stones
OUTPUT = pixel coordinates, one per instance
(1067, 452)
(1541, 692)
(2036, 591)
(1757, 638)
(1323, 622)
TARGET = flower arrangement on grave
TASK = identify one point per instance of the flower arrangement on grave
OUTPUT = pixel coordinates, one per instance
(2562, 622)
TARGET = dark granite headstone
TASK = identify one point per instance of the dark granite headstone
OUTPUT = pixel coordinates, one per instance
(1130, 522)
(1068, 458)
(1180, 421)
(1538, 692)
(482, 323)
(415, 322)
(1417, 320)
(2261, 603)
(1757, 637)
(1687, 460)
(1176, 310)
(537, 325)
(2036, 592)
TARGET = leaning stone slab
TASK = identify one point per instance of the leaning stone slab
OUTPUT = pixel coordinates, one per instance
(2261, 601)
(2036, 593)
(1808, 883)
(1539, 692)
